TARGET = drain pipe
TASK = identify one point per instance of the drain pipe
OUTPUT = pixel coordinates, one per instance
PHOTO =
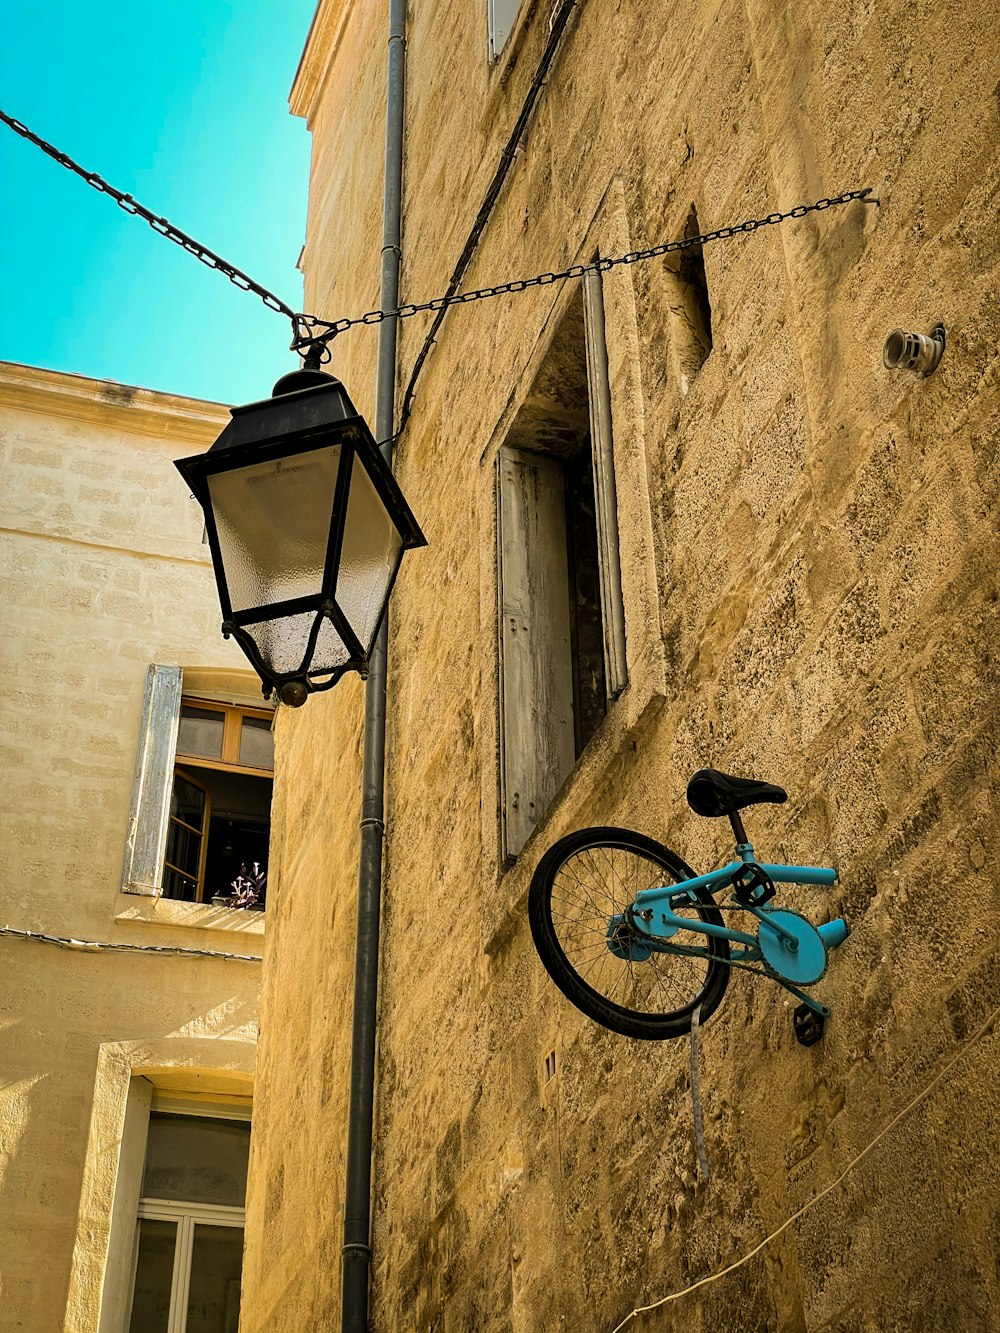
(358, 1184)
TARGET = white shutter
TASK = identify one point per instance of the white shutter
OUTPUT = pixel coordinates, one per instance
(605, 495)
(146, 841)
(502, 15)
(537, 746)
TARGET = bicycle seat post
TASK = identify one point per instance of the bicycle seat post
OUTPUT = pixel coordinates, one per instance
(740, 834)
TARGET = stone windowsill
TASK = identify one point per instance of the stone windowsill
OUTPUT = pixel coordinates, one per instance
(192, 916)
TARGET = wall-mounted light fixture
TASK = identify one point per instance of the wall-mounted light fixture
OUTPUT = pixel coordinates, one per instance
(307, 528)
(919, 352)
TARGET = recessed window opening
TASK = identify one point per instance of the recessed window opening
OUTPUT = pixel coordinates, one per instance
(188, 1253)
(220, 806)
(562, 629)
(550, 1066)
(590, 697)
(690, 307)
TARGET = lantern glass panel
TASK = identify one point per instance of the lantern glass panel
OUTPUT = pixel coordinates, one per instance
(369, 557)
(282, 644)
(273, 523)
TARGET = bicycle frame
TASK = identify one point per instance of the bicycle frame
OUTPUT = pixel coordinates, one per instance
(652, 916)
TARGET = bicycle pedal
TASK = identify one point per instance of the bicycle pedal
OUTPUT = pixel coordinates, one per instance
(808, 1025)
(753, 887)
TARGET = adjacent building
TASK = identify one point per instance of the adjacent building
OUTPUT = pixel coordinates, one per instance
(138, 757)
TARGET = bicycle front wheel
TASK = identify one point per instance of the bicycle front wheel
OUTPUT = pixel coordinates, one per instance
(577, 904)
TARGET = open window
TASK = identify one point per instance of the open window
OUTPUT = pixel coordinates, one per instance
(220, 806)
(202, 796)
(562, 625)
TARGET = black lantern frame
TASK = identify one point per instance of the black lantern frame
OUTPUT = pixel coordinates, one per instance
(308, 412)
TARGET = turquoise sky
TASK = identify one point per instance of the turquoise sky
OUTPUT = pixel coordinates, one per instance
(185, 106)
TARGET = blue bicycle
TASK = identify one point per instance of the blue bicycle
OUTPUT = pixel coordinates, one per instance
(636, 940)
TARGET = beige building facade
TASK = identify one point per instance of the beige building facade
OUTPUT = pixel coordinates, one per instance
(110, 1059)
(807, 554)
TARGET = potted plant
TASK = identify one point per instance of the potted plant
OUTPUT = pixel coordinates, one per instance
(249, 890)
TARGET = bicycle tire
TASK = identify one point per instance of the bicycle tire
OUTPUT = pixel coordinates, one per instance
(568, 940)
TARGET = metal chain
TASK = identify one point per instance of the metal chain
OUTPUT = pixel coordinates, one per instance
(311, 331)
(161, 225)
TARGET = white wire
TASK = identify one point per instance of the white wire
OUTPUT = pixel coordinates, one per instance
(714, 1277)
(92, 946)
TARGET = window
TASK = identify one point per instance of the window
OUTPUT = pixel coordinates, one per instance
(562, 628)
(202, 795)
(188, 1251)
(502, 14)
(221, 801)
(690, 308)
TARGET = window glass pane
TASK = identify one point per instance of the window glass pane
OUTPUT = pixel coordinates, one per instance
(187, 802)
(200, 732)
(153, 1276)
(176, 885)
(196, 1159)
(183, 849)
(216, 1264)
(257, 743)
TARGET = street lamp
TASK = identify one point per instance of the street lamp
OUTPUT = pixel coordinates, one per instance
(307, 528)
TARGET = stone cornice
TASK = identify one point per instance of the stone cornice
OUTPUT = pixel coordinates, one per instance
(77, 397)
(321, 45)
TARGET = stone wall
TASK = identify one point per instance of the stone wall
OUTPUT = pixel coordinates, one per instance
(104, 572)
(809, 569)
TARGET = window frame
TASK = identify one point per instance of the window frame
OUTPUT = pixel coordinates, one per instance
(201, 834)
(187, 1217)
(232, 732)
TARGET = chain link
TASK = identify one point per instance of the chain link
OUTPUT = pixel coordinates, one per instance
(161, 225)
(310, 330)
(312, 333)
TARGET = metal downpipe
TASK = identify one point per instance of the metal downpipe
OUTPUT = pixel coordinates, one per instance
(358, 1184)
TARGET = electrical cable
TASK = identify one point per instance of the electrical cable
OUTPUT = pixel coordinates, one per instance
(92, 946)
(900, 1115)
(557, 26)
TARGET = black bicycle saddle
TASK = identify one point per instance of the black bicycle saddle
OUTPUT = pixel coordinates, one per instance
(711, 793)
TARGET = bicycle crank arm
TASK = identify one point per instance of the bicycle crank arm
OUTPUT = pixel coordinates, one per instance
(817, 1006)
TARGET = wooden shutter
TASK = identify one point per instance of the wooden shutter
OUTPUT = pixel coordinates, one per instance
(537, 746)
(146, 841)
(605, 495)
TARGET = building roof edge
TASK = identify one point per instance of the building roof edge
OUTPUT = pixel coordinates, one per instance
(320, 47)
(152, 411)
